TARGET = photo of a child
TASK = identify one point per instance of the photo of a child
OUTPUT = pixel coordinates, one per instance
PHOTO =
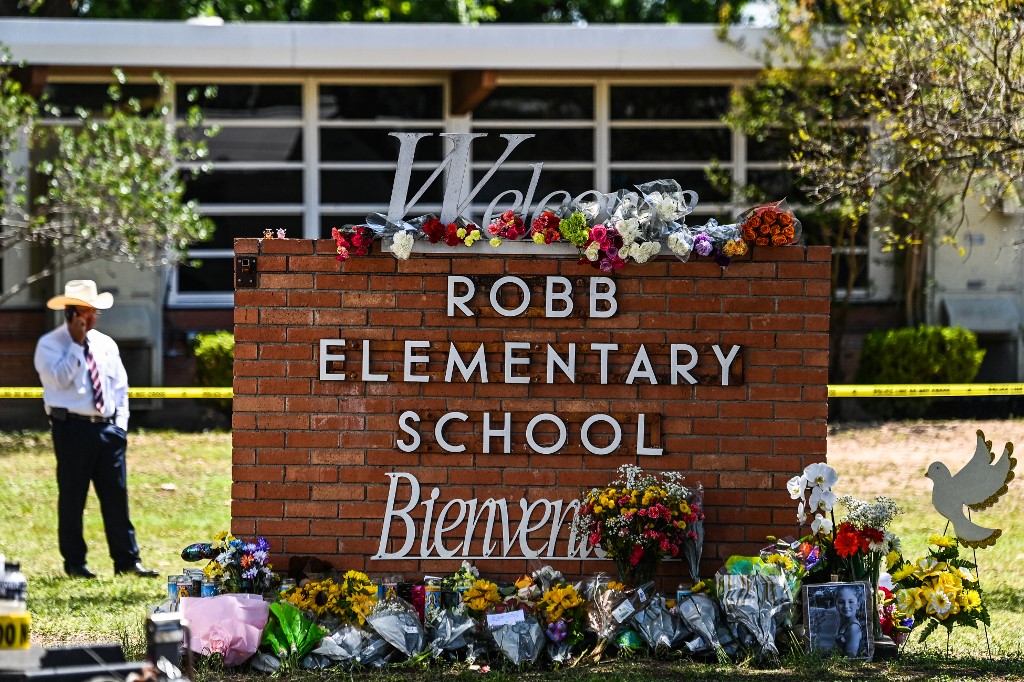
(837, 619)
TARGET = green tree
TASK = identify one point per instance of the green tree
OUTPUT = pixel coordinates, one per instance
(452, 11)
(107, 188)
(893, 110)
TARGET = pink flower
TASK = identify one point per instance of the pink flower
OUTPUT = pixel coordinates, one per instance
(599, 233)
(638, 554)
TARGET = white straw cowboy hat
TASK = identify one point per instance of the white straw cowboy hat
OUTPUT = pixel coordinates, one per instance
(81, 292)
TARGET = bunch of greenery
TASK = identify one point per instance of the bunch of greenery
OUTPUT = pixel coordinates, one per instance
(215, 363)
(917, 355)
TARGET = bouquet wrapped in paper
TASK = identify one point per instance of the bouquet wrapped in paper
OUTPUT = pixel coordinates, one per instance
(229, 624)
(341, 647)
(755, 605)
(518, 635)
(663, 208)
(289, 634)
(771, 224)
(700, 617)
(395, 620)
(451, 632)
(610, 607)
(564, 613)
(377, 652)
(658, 627)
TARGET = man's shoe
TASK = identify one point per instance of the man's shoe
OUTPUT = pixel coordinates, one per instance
(137, 570)
(79, 572)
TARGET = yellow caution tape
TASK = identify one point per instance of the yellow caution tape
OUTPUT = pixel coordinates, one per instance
(14, 631)
(921, 390)
(834, 391)
(170, 392)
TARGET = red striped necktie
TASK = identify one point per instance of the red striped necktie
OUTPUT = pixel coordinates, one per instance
(94, 375)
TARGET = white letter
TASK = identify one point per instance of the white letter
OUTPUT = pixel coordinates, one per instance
(460, 301)
(366, 365)
(725, 362)
(647, 372)
(642, 449)
(683, 370)
(608, 295)
(525, 528)
(522, 287)
(490, 433)
(585, 434)
(439, 431)
(510, 348)
(569, 369)
(603, 348)
(564, 295)
(390, 511)
(403, 423)
(440, 529)
(326, 356)
(561, 433)
(411, 359)
(478, 363)
(429, 505)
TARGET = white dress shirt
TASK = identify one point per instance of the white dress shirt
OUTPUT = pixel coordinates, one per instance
(65, 377)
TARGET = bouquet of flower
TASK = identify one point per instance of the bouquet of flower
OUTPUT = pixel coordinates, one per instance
(544, 228)
(396, 621)
(348, 602)
(862, 540)
(564, 613)
(638, 520)
(240, 566)
(940, 588)
(894, 624)
(352, 241)
(507, 226)
(770, 224)
(480, 597)
(796, 558)
(610, 605)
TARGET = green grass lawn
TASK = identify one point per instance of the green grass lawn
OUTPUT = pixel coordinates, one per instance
(180, 493)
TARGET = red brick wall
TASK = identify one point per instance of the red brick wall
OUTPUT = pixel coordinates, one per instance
(310, 456)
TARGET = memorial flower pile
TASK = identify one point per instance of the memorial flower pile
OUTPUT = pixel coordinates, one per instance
(939, 589)
(609, 230)
(862, 540)
(639, 519)
(481, 596)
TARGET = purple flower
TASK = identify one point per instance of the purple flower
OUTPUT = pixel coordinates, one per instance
(557, 631)
(260, 557)
(812, 559)
(907, 622)
(249, 547)
(722, 260)
(250, 573)
(612, 252)
(702, 244)
(606, 265)
(262, 545)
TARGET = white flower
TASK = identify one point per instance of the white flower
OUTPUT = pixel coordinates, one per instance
(667, 209)
(628, 230)
(796, 487)
(821, 475)
(822, 499)
(592, 251)
(801, 514)
(939, 603)
(821, 525)
(681, 243)
(401, 245)
(644, 252)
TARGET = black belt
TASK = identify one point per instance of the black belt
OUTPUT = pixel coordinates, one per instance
(89, 418)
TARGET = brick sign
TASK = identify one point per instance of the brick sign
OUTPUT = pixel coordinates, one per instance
(398, 417)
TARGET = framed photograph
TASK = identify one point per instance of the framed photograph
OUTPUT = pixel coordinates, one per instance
(837, 618)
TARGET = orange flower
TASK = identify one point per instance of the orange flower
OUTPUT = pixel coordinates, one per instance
(779, 240)
(788, 231)
(749, 234)
(785, 219)
(761, 241)
(754, 221)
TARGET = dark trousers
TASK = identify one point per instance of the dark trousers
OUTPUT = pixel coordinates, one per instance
(93, 452)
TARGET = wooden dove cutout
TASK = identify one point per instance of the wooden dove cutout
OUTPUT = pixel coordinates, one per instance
(981, 482)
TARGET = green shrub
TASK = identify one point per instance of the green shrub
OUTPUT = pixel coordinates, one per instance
(921, 355)
(215, 363)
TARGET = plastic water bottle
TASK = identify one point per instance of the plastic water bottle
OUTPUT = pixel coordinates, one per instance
(13, 589)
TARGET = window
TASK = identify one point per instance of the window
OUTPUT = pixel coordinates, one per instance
(257, 180)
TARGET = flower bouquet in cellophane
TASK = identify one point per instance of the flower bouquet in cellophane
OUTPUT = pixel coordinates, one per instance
(771, 224)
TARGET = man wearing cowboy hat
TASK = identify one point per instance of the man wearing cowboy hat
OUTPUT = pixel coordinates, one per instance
(85, 392)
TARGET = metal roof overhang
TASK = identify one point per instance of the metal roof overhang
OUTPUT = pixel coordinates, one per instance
(341, 46)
